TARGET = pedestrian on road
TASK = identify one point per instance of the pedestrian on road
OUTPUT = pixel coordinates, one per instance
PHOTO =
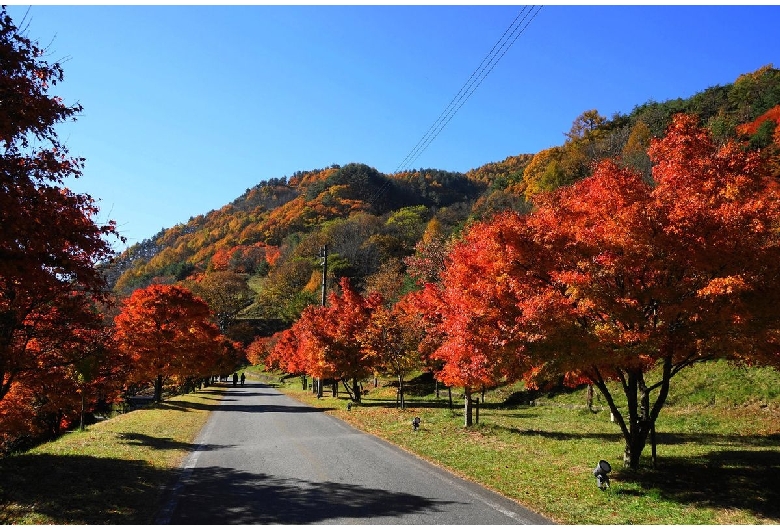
(235, 378)
(243, 378)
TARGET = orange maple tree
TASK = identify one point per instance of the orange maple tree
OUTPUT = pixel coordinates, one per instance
(49, 241)
(477, 305)
(169, 334)
(391, 340)
(613, 276)
(324, 341)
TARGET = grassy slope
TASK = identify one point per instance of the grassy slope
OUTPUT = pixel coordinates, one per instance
(719, 463)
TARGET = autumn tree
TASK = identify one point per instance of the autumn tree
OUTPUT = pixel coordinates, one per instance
(168, 333)
(259, 350)
(346, 316)
(666, 275)
(477, 306)
(613, 277)
(389, 281)
(634, 153)
(427, 262)
(764, 133)
(324, 341)
(226, 293)
(49, 240)
(390, 342)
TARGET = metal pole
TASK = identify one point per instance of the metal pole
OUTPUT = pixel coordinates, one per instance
(324, 256)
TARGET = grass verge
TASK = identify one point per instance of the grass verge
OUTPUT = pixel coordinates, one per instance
(716, 465)
(115, 472)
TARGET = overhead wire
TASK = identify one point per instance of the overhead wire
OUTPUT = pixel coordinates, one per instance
(489, 62)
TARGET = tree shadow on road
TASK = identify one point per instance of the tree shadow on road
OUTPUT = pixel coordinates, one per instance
(226, 496)
(228, 406)
(154, 442)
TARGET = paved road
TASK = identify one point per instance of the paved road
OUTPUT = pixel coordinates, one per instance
(264, 458)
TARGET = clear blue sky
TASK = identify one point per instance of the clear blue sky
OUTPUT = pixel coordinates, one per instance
(185, 107)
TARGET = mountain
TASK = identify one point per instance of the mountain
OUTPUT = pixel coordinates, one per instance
(272, 235)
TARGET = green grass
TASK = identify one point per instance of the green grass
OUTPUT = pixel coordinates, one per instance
(716, 464)
(115, 472)
(718, 454)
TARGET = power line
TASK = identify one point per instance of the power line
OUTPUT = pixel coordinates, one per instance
(512, 33)
(458, 97)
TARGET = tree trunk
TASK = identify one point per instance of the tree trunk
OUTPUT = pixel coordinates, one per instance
(349, 390)
(652, 443)
(641, 416)
(81, 420)
(468, 421)
(590, 397)
(449, 393)
(158, 383)
(356, 389)
(401, 392)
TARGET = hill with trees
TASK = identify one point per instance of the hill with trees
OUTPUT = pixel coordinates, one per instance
(374, 223)
(643, 244)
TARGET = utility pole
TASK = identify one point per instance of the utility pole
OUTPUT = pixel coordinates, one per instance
(324, 263)
(324, 256)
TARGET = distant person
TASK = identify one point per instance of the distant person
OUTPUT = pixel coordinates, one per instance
(235, 378)
(243, 378)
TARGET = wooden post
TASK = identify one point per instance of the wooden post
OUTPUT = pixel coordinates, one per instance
(467, 404)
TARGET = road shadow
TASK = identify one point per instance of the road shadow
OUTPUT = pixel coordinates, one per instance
(227, 403)
(162, 444)
(738, 479)
(217, 495)
(227, 406)
(82, 490)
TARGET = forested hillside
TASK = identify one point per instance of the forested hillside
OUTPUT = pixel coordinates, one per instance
(644, 241)
(643, 244)
(378, 227)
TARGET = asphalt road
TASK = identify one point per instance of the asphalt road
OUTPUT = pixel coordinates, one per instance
(264, 458)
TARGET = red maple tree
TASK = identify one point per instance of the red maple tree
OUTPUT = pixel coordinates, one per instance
(612, 277)
(169, 334)
(49, 241)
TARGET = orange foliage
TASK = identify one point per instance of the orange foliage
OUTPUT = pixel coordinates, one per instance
(612, 276)
(168, 332)
(752, 127)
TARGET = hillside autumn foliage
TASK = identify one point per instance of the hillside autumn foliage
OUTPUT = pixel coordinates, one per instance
(645, 240)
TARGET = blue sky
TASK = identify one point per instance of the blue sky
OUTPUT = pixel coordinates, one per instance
(185, 107)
